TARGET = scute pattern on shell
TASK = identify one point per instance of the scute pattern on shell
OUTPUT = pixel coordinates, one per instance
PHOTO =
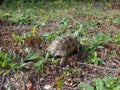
(63, 46)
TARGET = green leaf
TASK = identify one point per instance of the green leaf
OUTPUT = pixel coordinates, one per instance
(54, 60)
(47, 55)
(15, 65)
(3, 64)
(46, 34)
(5, 15)
(117, 87)
(31, 57)
(112, 83)
(96, 61)
(39, 63)
(59, 82)
(102, 61)
(85, 86)
(95, 54)
(43, 24)
(99, 83)
(33, 30)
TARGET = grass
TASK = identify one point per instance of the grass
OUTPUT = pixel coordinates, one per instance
(54, 9)
(65, 13)
(74, 18)
(107, 83)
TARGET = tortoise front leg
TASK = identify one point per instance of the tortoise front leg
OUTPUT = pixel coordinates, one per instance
(63, 60)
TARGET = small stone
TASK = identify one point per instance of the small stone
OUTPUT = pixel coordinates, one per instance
(47, 87)
(41, 79)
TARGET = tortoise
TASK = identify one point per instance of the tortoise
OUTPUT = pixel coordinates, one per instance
(63, 47)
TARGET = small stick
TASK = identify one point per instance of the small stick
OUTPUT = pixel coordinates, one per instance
(107, 68)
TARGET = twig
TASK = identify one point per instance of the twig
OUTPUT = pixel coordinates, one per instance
(107, 68)
(116, 61)
(3, 77)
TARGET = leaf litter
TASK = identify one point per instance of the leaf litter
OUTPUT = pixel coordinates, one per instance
(56, 77)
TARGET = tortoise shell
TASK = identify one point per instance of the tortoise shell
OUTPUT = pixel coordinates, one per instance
(63, 46)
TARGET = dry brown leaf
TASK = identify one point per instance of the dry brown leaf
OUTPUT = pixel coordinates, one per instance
(69, 82)
(29, 86)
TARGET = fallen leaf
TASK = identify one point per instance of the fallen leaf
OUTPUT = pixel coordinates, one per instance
(29, 86)
(69, 82)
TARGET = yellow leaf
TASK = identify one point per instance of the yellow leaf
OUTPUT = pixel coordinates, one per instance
(3, 64)
(95, 54)
(5, 15)
(33, 30)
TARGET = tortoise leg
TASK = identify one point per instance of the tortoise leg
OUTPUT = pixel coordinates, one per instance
(62, 61)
